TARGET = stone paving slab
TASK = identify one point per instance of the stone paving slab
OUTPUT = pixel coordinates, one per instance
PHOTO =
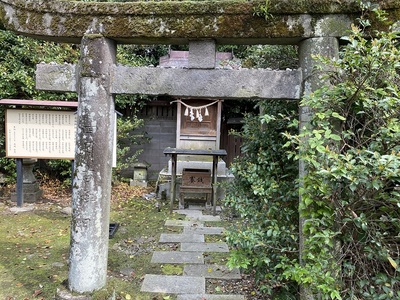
(209, 297)
(208, 218)
(205, 247)
(204, 230)
(183, 223)
(177, 257)
(196, 215)
(189, 212)
(181, 238)
(202, 207)
(212, 271)
(173, 284)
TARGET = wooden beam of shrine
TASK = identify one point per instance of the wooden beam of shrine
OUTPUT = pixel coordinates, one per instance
(200, 83)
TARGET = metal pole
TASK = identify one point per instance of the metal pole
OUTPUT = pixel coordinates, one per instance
(173, 182)
(20, 181)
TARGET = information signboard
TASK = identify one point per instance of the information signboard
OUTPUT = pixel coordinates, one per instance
(47, 134)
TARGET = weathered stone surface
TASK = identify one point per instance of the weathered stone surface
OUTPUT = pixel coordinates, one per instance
(208, 218)
(202, 54)
(204, 230)
(176, 22)
(17, 210)
(63, 294)
(93, 167)
(183, 223)
(55, 77)
(179, 238)
(217, 83)
(205, 247)
(212, 271)
(244, 83)
(177, 257)
(173, 284)
(189, 213)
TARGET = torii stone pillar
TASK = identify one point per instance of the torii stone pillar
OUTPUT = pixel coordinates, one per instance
(327, 47)
(93, 166)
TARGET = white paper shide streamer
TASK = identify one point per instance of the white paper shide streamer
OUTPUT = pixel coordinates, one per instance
(195, 112)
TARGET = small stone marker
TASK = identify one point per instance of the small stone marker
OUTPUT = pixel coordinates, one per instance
(16, 210)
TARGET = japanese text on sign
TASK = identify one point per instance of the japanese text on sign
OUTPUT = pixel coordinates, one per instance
(40, 134)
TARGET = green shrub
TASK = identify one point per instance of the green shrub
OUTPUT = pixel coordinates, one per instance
(265, 196)
(350, 197)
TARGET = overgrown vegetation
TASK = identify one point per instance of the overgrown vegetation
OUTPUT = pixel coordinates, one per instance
(18, 59)
(265, 195)
(350, 193)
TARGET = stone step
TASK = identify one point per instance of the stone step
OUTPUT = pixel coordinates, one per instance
(204, 230)
(181, 238)
(209, 297)
(195, 215)
(172, 284)
(189, 213)
(177, 257)
(208, 218)
(183, 223)
(204, 247)
(212, 271)
(203, 207)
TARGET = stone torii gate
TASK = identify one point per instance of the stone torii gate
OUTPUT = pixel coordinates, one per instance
(314, 25)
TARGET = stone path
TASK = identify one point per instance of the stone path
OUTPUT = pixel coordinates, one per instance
(191, 285)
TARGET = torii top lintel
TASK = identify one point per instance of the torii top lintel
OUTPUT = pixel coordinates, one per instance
(177, 22)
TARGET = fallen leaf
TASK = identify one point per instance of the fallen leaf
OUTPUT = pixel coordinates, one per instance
(392, 262)
(37, 293)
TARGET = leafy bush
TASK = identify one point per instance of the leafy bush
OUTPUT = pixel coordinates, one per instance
(126, 139)
(265, 196)
(18, 58)
(350, 194)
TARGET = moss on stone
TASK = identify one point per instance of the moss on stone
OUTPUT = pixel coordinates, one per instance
(178, 21)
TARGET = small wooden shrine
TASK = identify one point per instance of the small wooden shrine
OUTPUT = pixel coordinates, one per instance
(198, 124)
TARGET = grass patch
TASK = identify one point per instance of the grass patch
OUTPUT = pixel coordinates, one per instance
(35, 248)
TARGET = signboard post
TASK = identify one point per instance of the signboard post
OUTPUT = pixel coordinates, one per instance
(28, 133)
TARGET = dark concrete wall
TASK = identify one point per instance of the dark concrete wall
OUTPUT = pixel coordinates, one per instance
(162, 131)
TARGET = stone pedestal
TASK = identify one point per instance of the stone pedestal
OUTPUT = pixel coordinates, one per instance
(30, 187)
